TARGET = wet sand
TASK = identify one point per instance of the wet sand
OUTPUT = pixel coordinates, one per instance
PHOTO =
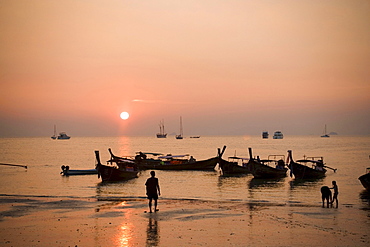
(43, 221)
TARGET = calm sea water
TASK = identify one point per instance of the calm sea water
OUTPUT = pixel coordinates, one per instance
(44, 157)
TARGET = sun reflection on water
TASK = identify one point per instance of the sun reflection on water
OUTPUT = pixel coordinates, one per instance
(125, 234)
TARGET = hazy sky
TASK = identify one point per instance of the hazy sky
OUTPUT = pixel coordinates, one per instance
(227, 67)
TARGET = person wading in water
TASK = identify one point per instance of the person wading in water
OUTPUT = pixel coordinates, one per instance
(152, 191)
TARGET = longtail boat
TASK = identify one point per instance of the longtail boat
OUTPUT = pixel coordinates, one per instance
(66, 171)
(170, 162)
(307, 168)
(116, 170)
(365, 179)
(231, 167)
(272, 167)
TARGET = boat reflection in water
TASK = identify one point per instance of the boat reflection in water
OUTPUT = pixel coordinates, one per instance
(152, 236)
(262, 183)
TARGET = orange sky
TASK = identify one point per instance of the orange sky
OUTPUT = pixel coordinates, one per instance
(227, 67)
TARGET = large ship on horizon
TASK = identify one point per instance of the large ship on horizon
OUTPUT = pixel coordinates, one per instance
(161, 133)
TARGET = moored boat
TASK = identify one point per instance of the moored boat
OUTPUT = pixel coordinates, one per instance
(278, 135)
(272, 167)
(325, 134)
(307, 168)
(176, 162)
(171, 162)
(117, 170)
(231, 167)
(68, 172)
(365, 179)
(161, 133)
(55, 133)
(181, 135)
(63, 136)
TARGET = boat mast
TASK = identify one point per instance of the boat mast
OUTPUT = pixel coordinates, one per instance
(181, 126)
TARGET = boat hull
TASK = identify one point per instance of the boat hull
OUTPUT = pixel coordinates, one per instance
(161, 135)
(79, 172)
(259, 170)
(365, 181)
(112, 174)
(304, 172)
(232, 168)
(202, 165)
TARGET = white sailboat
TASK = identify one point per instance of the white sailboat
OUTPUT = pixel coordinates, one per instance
(55, 133)
(181, 133)
(325, 134)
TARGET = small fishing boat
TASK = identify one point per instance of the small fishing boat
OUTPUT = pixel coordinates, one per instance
(67, 172)
(195, 137)
(278, 135)
(161, 133)
(231, 166)
(181, 136)
(116, 169)
(272, 167)
(365, 179)
(308, 167)
(170, 162)
(177, 162)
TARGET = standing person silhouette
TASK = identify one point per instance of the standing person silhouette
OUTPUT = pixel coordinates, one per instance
(152, 191)
(336, 192)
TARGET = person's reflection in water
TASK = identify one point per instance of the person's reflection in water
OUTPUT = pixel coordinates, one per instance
(152, 237)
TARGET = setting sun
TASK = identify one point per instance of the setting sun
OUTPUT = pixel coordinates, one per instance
(124, 115)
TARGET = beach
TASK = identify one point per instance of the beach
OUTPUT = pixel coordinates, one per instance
(45, 221)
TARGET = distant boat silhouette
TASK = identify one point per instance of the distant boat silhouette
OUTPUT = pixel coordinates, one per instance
(278, 135)
(61, 136)
(55, 133)
(325, 135)
(161, 133)
(181, 133)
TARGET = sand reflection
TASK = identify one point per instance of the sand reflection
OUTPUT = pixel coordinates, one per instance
(152, 233)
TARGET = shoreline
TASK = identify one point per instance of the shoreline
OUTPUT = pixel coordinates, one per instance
(47, 221)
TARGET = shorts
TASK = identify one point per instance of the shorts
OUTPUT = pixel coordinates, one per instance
(153, 196)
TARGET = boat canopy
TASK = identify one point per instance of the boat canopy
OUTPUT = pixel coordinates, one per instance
(173, 156)
(121, 160)
(238, 158)
(310, 161)
(148, 153)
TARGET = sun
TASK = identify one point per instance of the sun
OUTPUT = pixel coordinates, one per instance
(124, 115)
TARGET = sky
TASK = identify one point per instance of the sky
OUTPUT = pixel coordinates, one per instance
(236, 67)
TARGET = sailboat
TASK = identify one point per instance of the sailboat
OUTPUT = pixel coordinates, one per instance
(181, 134)
(61, 136)
(325, 135)
(161, 133)
(55, 133)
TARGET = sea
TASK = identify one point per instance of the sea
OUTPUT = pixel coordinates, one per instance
(349, 155)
